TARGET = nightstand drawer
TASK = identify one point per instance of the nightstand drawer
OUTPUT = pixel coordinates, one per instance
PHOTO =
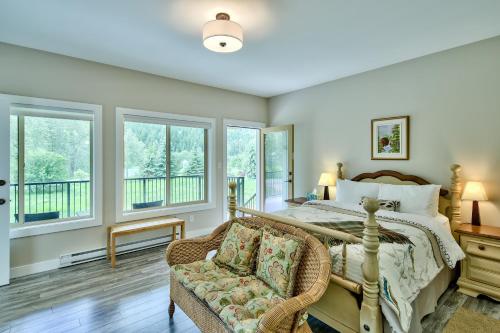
(482, 263)
(482, 249)
(485, 276)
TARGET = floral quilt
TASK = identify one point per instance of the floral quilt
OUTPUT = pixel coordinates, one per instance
(405, 268)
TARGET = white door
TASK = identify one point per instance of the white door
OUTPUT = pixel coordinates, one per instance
(242, 162)
(4, 191)
(277, 166)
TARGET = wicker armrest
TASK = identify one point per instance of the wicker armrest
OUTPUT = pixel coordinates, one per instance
(185, 251)
(294, 307)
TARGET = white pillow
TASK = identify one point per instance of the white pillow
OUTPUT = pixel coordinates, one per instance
(415, 199)
(351, 192)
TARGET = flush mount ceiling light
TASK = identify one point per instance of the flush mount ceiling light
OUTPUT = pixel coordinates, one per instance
(222, 35)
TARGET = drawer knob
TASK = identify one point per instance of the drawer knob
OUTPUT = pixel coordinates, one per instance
(481, 247)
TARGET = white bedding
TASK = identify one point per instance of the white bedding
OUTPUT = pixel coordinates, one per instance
(405, 269)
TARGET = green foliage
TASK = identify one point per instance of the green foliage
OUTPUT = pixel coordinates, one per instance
(395, 139)
(45, 166)
(196, 167)
(242, 159)
(251, 163)
(81, 175)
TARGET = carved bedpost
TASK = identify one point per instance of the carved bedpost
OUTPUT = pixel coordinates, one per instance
(456, 201)
(370, 316)
(232, 200)
(340, 174)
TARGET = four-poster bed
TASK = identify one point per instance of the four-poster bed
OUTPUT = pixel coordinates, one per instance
(353, 306)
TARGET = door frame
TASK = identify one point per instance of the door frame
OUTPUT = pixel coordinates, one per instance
(291, 168)
(228, 122)
(5, 191)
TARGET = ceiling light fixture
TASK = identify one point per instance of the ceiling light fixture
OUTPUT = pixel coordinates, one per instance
(222, 34)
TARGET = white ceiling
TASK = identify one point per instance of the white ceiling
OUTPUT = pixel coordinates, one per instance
(289, 44)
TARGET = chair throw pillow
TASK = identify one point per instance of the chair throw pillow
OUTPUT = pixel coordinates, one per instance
(278, 261)
(238, 249)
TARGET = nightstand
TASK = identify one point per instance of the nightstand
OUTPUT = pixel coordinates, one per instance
(295, 201)
(480, 270)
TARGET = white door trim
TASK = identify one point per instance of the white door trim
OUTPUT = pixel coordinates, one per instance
(4, 191)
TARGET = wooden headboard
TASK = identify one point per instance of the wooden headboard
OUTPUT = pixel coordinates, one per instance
(449, 200)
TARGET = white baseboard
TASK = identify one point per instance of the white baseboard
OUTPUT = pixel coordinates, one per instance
(34, 268)
(47, 265)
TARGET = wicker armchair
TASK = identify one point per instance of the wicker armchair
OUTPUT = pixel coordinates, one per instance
(311, 281)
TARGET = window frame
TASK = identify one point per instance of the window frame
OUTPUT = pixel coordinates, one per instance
(73, 110)
(170, 119)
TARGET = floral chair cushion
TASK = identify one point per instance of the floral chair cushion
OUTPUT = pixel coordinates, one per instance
(278, 261)
(201, 272)
(240, 301)
(237, 251)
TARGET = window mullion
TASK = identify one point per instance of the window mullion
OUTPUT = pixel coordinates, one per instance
(167, 166)
(20, 168)
(92, 185)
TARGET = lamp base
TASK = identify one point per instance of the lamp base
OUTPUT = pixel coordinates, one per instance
(475, 220)
(326, 194)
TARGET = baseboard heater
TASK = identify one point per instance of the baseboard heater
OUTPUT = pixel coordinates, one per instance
(98, 254)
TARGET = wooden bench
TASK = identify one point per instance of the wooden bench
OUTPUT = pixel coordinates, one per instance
(135, 227)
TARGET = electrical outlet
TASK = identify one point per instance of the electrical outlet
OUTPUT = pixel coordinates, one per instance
(191, 218)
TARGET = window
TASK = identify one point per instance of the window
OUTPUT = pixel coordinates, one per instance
(164, 164)
(54, 150)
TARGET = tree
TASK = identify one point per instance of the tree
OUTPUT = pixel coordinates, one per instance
(45, 166)
(395, 139)
(251, 165)
(154, 165)
(196, 167)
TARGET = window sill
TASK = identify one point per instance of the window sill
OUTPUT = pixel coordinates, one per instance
(144, 214)
(49, 228)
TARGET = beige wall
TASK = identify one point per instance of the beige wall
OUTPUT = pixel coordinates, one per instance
(39, 74)
(453, 98)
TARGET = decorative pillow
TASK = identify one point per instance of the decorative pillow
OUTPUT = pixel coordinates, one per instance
(238, 249)
(415, 199)
(351, 192)
(278, 261)
(390, 205)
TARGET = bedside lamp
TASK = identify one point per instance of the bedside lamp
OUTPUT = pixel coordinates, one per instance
(326, 180)
(474, 191)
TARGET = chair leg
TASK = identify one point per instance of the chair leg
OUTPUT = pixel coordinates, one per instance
(171, 309)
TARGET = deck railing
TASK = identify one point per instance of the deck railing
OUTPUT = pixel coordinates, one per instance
(65, 199)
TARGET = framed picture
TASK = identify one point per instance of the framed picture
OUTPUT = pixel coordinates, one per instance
(391, 138)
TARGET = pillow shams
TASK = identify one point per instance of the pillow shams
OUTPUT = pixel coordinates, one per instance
(351, 192)
(390, 205)
(415, 199)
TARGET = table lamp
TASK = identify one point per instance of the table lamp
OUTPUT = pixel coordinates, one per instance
(474, 191)
(326, 180)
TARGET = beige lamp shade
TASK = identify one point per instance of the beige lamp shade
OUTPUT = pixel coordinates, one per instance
(222, 35)
(474, 191)
(326, 179)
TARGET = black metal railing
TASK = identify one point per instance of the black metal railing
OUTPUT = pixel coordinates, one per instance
(65, 199)
(152, 191)
(252, 202)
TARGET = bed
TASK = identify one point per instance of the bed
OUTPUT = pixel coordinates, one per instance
(388, 268)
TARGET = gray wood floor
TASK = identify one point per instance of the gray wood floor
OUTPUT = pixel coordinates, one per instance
(92, 297)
